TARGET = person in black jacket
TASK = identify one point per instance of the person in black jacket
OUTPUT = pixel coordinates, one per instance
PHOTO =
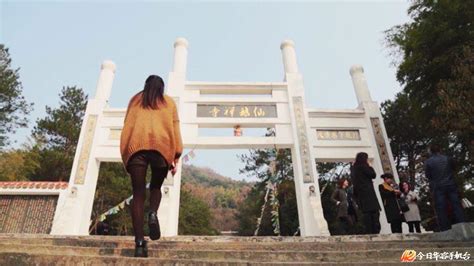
(362, 175)
(390, 194)
(440, 171)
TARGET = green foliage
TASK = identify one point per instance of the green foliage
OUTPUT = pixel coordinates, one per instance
(407, 130)
(279, 215)
(194, 216)
(220, 193)
(13, 106)
(57, 135)
(435, 59)
(257, 163)
(289, 222)
(113, 186)
(62, 126)
(16, 165)
(436, 70)
(249, 212)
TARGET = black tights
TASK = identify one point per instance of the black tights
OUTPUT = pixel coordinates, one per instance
(371, 222)
(416, 225)
(138, 175)
(396, 226)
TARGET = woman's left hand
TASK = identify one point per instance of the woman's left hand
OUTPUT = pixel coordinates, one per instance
(174, 167)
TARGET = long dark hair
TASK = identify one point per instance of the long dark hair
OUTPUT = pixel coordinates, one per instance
(402, 189)
(361, 159)
(341, 181)
(153, 92)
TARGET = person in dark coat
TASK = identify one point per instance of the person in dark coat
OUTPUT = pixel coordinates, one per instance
(340, 198)
(390, 194)
(439, 170)
(362, 175)
(352, 205)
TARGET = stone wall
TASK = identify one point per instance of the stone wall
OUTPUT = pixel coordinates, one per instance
(31, 214)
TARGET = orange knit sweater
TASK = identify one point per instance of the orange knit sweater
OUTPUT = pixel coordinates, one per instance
(148, 129)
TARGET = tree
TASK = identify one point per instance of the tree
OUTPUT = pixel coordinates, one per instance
(274, 212)
(435, 52)
(16, 165)
(57, 135)
(13, 106)
(194, 216)
(113, 186)
(434, 58)
(258, 163)
(250, 210)
(409, 137)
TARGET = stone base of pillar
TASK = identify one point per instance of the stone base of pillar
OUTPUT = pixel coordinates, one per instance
(458, 232)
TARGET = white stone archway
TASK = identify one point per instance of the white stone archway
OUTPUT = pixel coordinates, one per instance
(311, 134)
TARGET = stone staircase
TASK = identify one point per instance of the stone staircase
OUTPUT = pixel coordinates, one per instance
(22, 249)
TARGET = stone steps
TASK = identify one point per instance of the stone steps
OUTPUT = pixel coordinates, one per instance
(373, 255)
(223, 250)
(268, 247)
(34, 259)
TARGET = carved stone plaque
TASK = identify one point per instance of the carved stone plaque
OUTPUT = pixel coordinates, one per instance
(381, 145)
(85, 150)
(237, 110)
(335, 134)
(303, 139)
(115, 133)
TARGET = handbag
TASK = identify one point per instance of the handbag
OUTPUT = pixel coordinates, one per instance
(402, 205)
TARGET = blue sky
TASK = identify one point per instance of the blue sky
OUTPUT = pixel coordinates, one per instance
(60, 44)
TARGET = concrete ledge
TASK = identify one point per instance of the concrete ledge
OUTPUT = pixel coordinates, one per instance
(241, 239)
(458, 232)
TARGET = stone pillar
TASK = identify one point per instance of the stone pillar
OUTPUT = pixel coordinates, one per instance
(180, 55)
(169, 207)
(310, 212)
(360, 84)
(383, 160)
(289, 56)
(73, 212)
(106, 78)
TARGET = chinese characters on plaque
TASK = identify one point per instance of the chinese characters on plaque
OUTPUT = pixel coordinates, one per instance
(333, 134)
(303, 139)
(379, 140)
(237, 110)
(85, 150)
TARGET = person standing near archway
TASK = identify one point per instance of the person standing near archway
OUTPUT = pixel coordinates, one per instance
(340, 197)
(439, 170)
(412, 216)
(390, 194)
(150, 136)
(362, 175)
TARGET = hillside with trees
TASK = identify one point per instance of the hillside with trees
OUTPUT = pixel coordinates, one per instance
(222, 194)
